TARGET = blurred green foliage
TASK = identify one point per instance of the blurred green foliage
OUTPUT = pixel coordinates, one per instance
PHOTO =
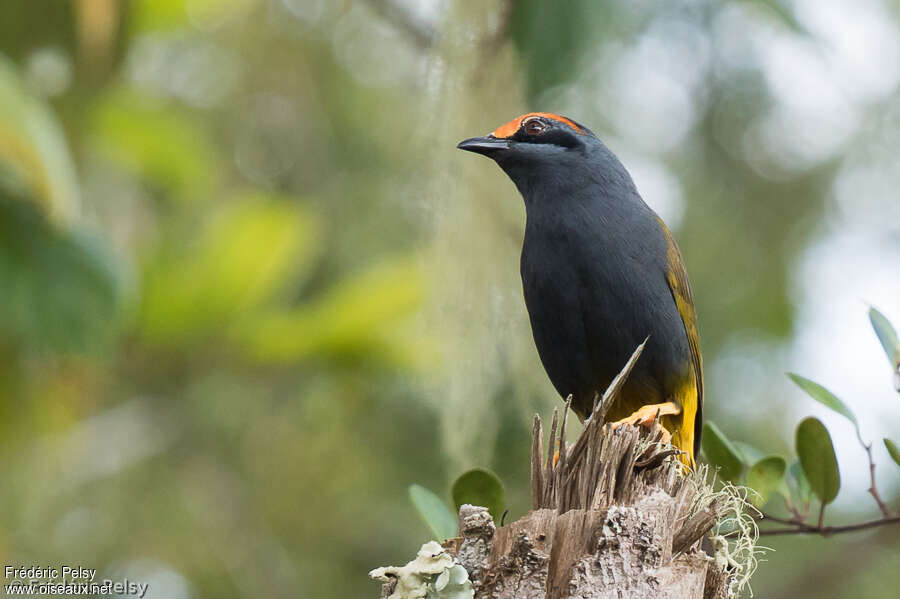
(254, 249)
(171, 152)
(719, 451)
(249, 292)
(764, 477)
(887, 335)
(61, 288)
(434, 512)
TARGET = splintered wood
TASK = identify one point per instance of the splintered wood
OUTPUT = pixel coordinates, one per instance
(603, 467)
(614, 516)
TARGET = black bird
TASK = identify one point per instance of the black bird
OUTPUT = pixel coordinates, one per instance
(601, 272)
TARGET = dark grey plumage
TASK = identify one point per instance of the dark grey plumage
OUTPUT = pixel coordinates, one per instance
(600, 273)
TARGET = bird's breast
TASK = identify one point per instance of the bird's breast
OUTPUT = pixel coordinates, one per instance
(592, 297)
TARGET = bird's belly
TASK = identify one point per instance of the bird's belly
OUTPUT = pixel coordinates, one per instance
(586, 327)
(560, 339)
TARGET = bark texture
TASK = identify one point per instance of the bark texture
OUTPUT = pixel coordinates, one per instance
(616, 515)
(619, 522)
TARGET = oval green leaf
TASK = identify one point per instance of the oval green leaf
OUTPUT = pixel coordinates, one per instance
(824, 397)
(799, 483)
(887, 334)
(816, 454)
(480, 487)
(721, 453)
(893, 450)
(434, 512)
(764, 477)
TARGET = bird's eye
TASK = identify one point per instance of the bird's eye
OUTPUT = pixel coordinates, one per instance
(534, 126)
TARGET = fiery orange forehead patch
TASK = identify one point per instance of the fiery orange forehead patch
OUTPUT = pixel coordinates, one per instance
(510, 128)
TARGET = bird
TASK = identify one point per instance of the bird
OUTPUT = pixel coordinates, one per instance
(601, 273)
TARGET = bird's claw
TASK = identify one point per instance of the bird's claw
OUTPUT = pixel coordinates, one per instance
(648, 417)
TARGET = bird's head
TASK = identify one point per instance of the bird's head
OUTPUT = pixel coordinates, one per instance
(536, 136)
(543, 149)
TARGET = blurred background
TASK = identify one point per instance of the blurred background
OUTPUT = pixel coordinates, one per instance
(249, 290)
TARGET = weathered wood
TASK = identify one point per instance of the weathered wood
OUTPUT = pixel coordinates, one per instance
(537, 479)
(695, 527)
(612, 518)
(616, 515)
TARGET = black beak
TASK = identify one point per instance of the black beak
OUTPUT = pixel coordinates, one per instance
(484, 145)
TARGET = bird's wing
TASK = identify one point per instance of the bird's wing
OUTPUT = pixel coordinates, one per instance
(684, 300)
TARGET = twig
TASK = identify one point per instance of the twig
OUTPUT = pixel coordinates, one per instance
(800, 528)
(873, 490)
(798, 515)
(797, 525)
(792, 521)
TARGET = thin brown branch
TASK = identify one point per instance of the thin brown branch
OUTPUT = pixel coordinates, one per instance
(799, 528)
(791, 521)
(798, 515)
(873, 490)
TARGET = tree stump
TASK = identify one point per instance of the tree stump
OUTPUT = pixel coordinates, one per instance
(621, 521)
(616, 515)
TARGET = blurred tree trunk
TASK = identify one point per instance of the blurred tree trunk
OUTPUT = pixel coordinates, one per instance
(478, 319)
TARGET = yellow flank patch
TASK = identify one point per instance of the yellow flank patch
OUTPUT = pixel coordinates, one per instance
(683, 429)
(691, 398)
(510, 128)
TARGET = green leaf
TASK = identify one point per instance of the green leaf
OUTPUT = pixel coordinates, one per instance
(893, 450)
(434, 512)
(800, 483)
(168, 150)
(361, 317)
(480, 487)
(825, 397)
(764, 477)
(816, 454)
(887, 335)
(748, 453)
(33, 148)
(234, 268)
(720, 452)
(62, 287)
